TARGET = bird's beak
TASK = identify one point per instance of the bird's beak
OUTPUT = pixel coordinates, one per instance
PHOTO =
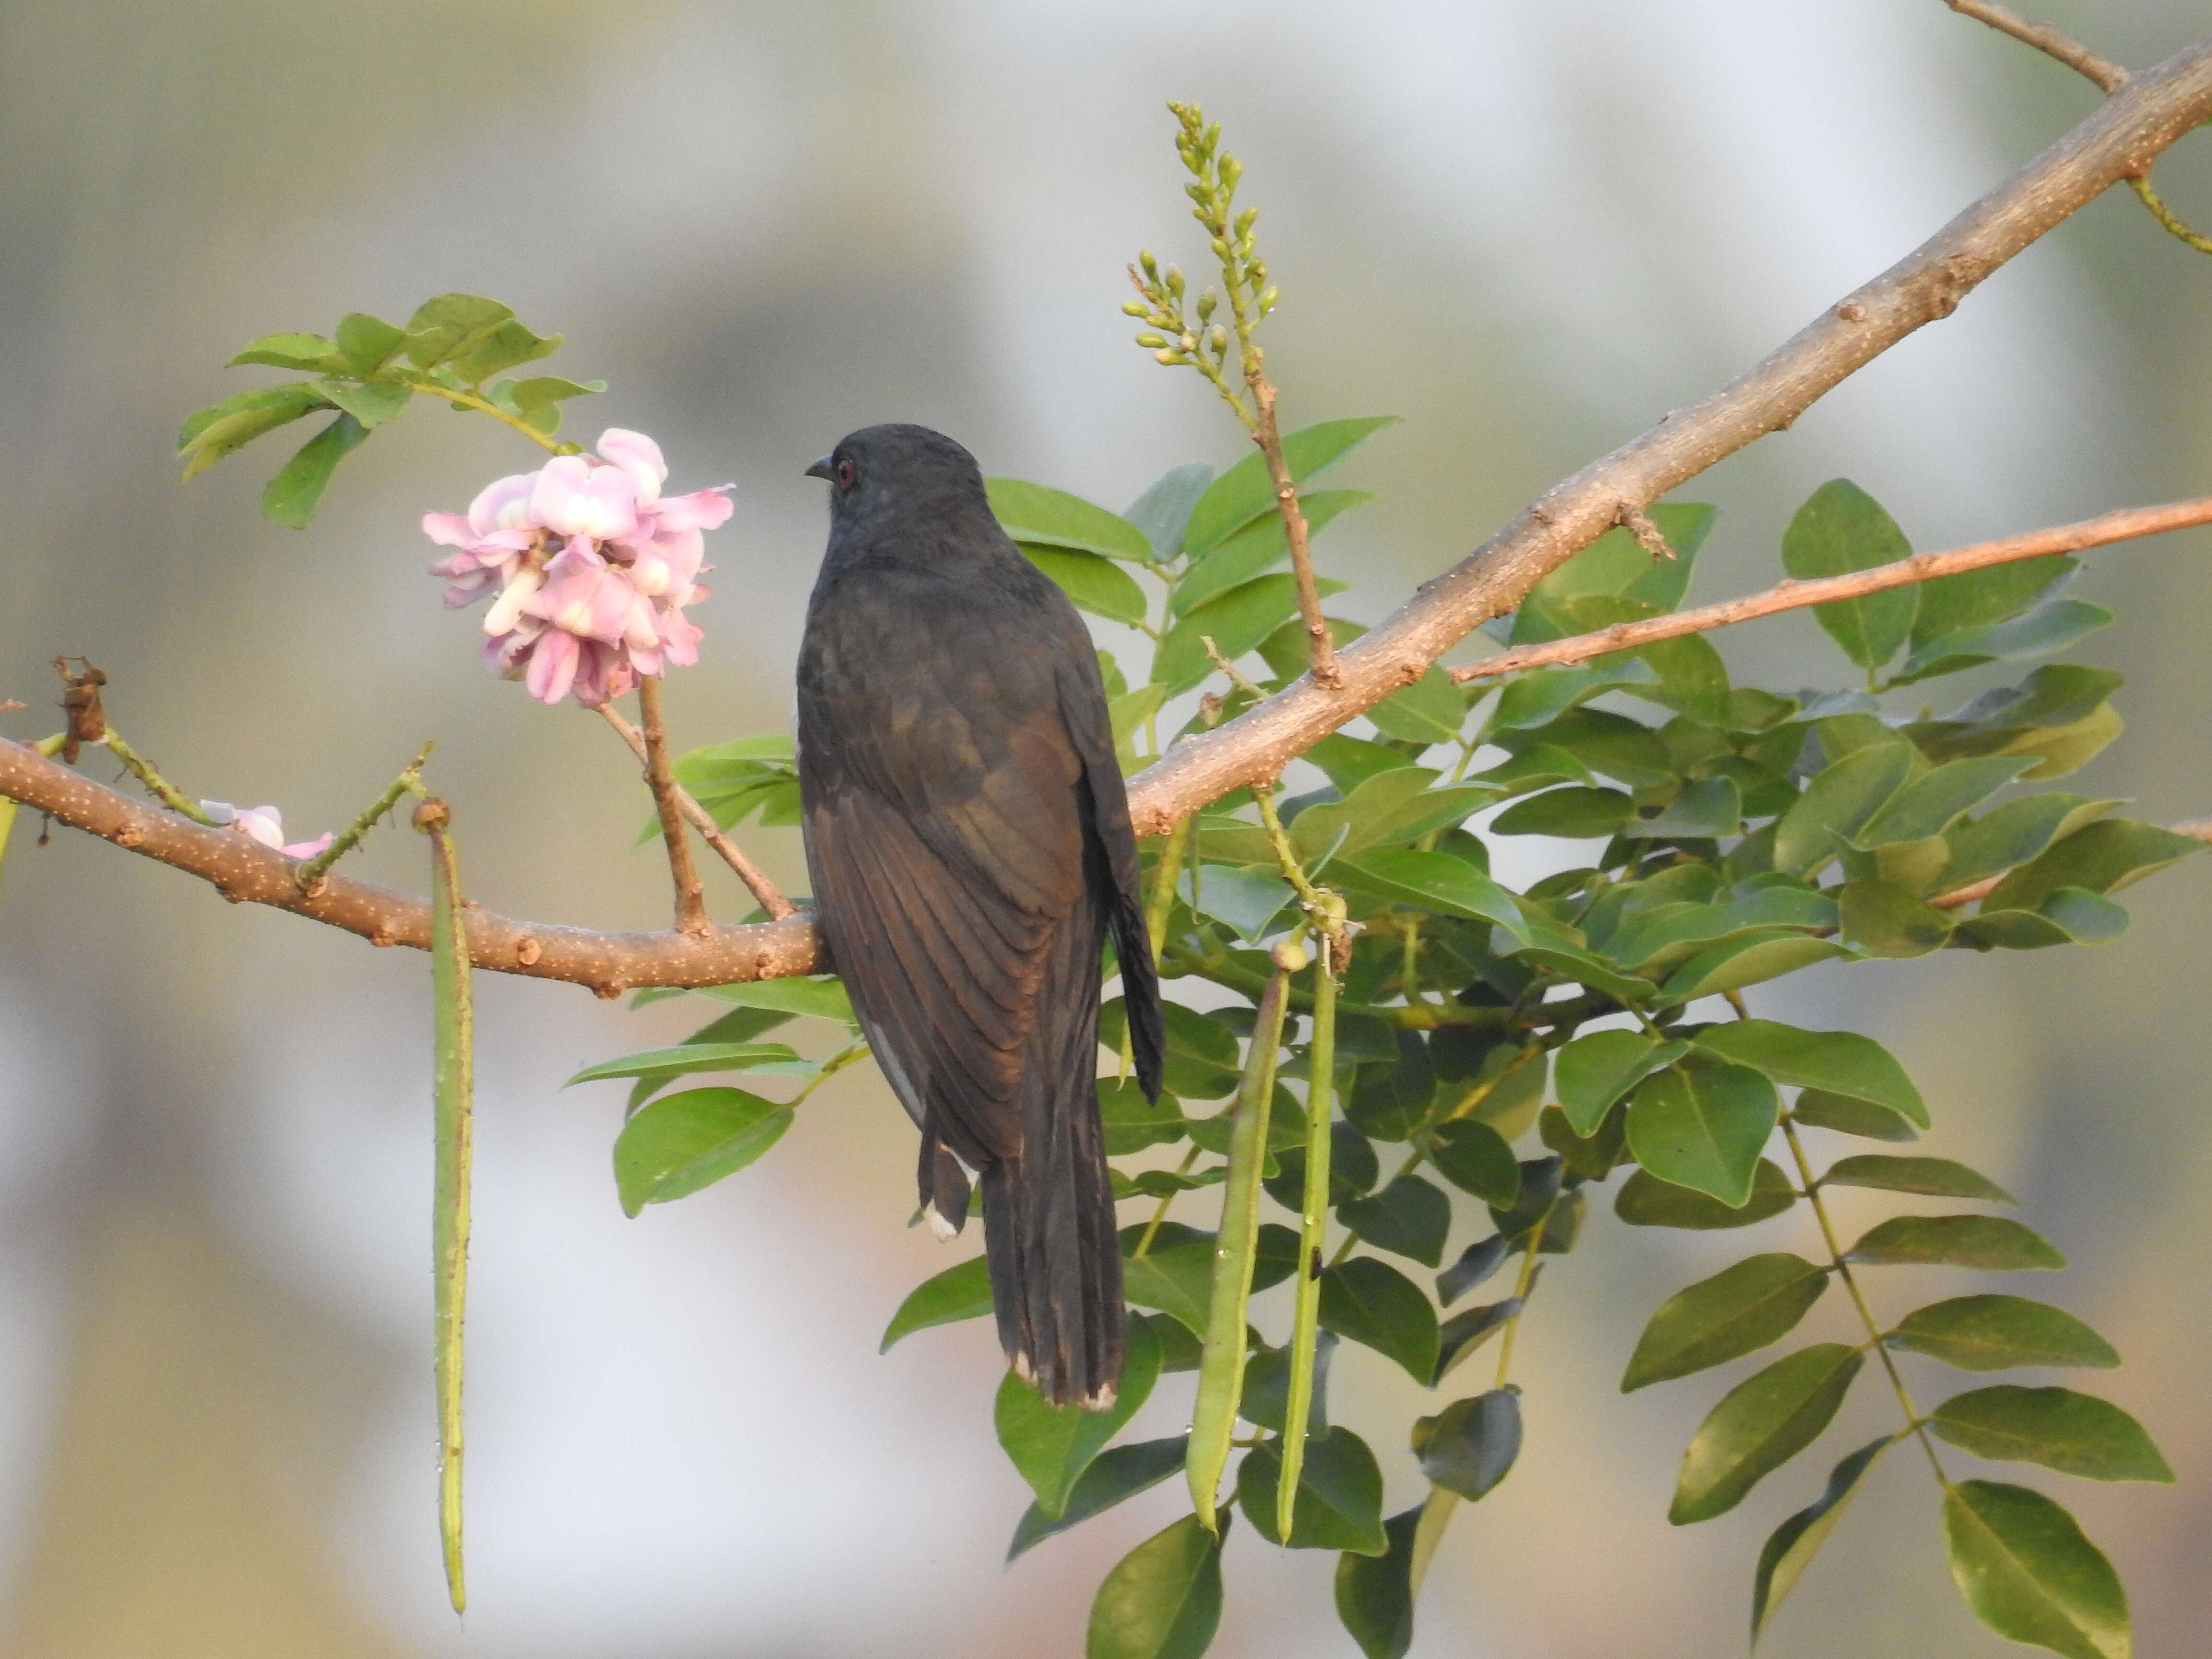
(821, 469)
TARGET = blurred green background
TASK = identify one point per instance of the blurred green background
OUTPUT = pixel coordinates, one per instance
(1530, 228)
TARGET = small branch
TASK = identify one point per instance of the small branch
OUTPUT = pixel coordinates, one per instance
(244, 872)
(311, 873)
(755, 879)
(1649, 537)
(1975, 892)
(2127, 524)
(690, 891)
(143, 769)
(1321, 650)
(2108, 75)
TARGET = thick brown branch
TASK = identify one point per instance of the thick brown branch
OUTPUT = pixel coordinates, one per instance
(690, 891)
(2044, 39)
(2118, 138)
(2125, 525)
(244, 872)
(755, 879)
(2116, 142)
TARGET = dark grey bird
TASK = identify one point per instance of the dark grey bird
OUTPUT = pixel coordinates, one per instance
(969, 838)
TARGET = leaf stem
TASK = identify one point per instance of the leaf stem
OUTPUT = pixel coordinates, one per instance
(410, 781)
(143, 769)
(461, 399)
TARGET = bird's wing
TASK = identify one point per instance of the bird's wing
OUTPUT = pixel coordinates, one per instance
(946, 850)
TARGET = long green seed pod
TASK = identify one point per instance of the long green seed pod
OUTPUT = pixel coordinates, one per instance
(1321, 1110)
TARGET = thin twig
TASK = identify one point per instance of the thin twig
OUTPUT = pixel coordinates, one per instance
(2108, 75)
(755, 879)
(690, 891)
(310, 874)
(2126, 525)
(2171, 221)
(143, 769)
(1320, 648)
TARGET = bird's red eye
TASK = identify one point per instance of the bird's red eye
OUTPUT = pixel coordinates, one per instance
(845, 474)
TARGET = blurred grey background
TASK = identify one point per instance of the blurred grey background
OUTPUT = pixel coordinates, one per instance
(1529, 228)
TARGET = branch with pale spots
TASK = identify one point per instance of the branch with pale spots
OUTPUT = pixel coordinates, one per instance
(2149, 114)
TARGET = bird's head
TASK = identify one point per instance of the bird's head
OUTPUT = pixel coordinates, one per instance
(897, 469)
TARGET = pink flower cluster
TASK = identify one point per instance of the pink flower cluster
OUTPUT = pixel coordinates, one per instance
(593, 565)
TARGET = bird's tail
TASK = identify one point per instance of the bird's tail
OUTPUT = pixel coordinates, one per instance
(1049, 1221)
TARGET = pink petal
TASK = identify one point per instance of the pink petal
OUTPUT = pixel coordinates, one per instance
(552, 667)
(702, 509)
(503, 504)
(639, 456)
(447, 529)
(307, 850)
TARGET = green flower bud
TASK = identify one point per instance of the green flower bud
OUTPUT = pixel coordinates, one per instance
(1170, 356)
(1267, 301)
(1151, 265)
(1206, 301)
(1220, 339)
(1135, 308)
(1153, 340)
(1291, 955)
(1231, 171)
(1245, 220)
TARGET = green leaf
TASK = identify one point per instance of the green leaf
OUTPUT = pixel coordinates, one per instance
(1933, 802)
(1883, 919)
(1994, 1332)
(1464, 1333)
(1475, 1158)
(1202, 1056)
(292, 495)
(2029, 1574)
(1992, 1243)
(1370, 1301)
(1051, 1445)
(1817, 1109)
(958, 1293)
(453, 325)
(507, 344)
(2013, 834)
(2102, 858)
(1569, 814)
(1841, 529)
(1839, 801)
(367, 343)
(1095, 584)
(372, 404)
(1737, 1311)
(304, 351)
(1747, 958)
(1266, 1400)
(1645, 1201)
(1760, 1424)
(1249, 900)
(1375, 1593)
(1236, 620)
(1476, 1263)
(1616, 566)
(1837, 1062)
(1261, 543)
(1393, 806)
(820, 997)
(1245, 490)
(1427, 881)
(1340, 1501)
(1595, 1069)
(1430, 710)
(1470, 1445)
(1132, 1121)
(1165, 507)
(541, 391)
(1937, 1177)
(1175, 1276)
(1703, 1127)
(224, 429)
(1117, 1473)
(1543, 694)
(1707, 809)
(1592, 1157)
(1790, 1549)
(1979, 598)
(1407, 1218)
(2071, 916)
(684, 1058)
(680, 1143)
(1163, 1600)
(2074, 1433)
(2048, 628)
